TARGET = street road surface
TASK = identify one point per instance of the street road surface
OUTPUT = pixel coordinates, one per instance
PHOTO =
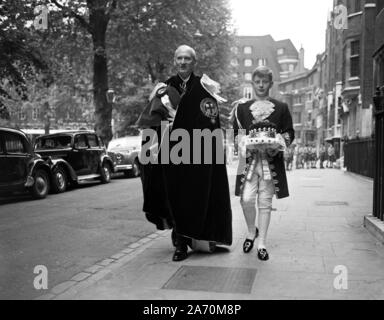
(67, 233)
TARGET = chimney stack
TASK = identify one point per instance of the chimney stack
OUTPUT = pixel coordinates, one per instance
(301, 59)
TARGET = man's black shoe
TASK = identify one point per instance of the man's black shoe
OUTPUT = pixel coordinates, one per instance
(181, 253)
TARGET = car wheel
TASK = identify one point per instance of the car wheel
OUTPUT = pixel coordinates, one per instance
(60, 180)
(40, 188)
(105, 173)
(136, 169)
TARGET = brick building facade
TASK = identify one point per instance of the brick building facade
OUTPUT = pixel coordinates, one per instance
(252, 51)
(304, 93)
(378, 54)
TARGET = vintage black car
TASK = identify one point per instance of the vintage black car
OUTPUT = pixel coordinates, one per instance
(75, 156)
(125, 155)
(20, 168)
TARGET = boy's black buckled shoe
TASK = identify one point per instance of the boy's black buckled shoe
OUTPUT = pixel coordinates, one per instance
(263, 254)
(248, 243)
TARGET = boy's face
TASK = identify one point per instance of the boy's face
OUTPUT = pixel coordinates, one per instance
(262, 85)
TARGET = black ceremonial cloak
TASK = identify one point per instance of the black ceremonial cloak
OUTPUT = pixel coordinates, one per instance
(155, 204)
(199, 194)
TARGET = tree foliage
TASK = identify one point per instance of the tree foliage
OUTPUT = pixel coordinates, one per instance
(20, 57)
(91, 46)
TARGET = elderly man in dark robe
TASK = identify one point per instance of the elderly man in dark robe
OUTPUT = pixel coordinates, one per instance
(195, 197)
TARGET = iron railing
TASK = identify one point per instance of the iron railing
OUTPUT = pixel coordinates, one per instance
(378, 188)
(359, 155)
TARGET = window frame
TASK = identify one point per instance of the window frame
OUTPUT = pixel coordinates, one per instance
(95, 139)
(35, 114)
(22, 115)
(21, 139)
(248, 92)
(248, 60)
(234, 62)
(261, 62)
(245, 76)
(294, 116)
(245, 50)
(86, 141)
(354, 59)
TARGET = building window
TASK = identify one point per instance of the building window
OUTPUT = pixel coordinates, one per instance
(280, 51)
(357, 7)
(235, 75)
(261, 62)
(297, 100)
(248, 76)
(235, 50)
(234, 62)
(22, 115)
(247, 93)
(35, 113)
(355, 59)
(291, 67)
(248, 63)
(344, 66)
(248, 50)
(297, 118)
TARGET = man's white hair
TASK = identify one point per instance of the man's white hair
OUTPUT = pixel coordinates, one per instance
(186, 48)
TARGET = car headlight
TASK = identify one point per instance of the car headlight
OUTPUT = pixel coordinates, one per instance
(119, 157)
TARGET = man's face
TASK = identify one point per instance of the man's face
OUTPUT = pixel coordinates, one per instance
(184, 63)
(262, 86)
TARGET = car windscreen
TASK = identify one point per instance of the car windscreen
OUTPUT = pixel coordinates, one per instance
(49, 143)
(125, 144)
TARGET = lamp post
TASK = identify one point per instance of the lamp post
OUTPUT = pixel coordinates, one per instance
(110, 95)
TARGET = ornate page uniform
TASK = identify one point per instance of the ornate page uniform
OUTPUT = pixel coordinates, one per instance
(244, 115)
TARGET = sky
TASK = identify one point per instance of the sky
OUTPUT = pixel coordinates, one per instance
(302, 21)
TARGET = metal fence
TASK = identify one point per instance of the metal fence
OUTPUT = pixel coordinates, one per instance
(359, 156)
(378, 189)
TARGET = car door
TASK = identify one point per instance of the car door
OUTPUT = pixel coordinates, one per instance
(15, 159)
(3, 162)
(79, 155)
(94, 153)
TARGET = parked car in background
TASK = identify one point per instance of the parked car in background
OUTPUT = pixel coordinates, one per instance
(75, 156)
(21, 169)
(125, 155)
(32, 134)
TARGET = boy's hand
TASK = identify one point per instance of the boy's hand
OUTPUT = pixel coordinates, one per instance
(272, 152)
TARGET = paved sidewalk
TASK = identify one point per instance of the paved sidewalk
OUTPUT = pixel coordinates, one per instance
(318, 228)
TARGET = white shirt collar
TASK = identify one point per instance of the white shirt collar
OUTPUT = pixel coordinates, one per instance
(185, 80)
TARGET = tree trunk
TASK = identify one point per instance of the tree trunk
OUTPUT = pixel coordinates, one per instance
(103, 110)
(47, 117)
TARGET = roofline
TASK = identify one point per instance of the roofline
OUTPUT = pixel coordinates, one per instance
(13, 130)
(66, 132)
(296, 77)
